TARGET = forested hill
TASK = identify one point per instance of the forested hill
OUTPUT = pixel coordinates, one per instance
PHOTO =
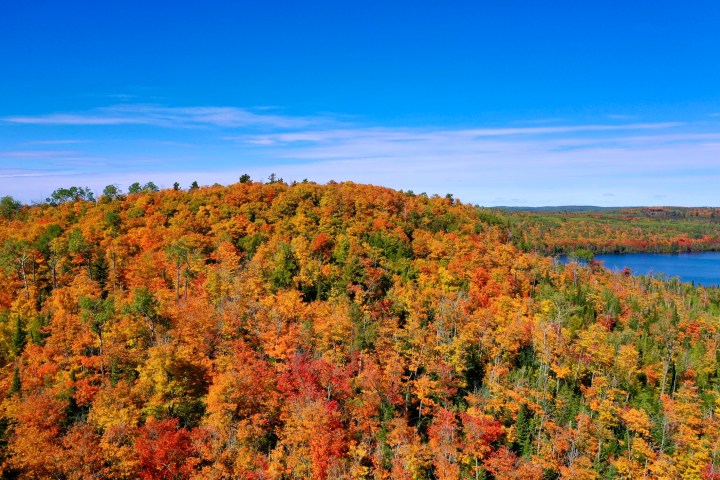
(560, 208)
(638, 229)
(336, 331)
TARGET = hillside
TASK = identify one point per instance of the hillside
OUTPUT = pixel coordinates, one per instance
(559, 208)
(638, 229)
(337, 331)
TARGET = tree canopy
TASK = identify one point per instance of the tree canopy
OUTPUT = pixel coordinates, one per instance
(338, 331)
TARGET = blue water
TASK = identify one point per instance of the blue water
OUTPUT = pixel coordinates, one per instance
(701, 268)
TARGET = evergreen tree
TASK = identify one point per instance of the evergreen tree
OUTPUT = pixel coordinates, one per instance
(18, 338)
(16, 385)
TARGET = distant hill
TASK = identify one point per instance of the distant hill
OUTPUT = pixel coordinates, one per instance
(564, 229)
(561, 208)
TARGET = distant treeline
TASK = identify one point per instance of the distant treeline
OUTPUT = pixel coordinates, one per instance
(646, 229)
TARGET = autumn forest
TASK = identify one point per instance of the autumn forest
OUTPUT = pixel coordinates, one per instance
(346, 331)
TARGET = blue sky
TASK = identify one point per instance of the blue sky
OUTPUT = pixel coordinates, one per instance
(500, 103)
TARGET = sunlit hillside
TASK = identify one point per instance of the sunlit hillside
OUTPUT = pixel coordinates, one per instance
(337, 331)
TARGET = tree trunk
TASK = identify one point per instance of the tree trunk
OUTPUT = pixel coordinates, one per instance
(23, 259)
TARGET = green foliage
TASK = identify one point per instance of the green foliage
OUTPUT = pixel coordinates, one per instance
(523, 429)
(97, 313)
(113, 220)
(285, 267)
(36, 328)
(18, 338)
(76, 242)
(365, 330)
(144, 303)
(393, 247)
(9, 207)
(112, 192)
(250, 243)
(72, 194)
(136, 212)
(582, 254)
(446, 222)
(16, 385)
(44, 240)
(148, 187)
(491, 219)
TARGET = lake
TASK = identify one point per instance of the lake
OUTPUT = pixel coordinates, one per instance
(702, 268)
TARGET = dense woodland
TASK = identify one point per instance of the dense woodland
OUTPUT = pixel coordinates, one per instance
(266, 330)
(658, 229)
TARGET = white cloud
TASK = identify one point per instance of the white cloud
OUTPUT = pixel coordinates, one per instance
(567, 164)
(57, 142)
(559, 164)
(35, 154)
(422, 135)
(177, 117)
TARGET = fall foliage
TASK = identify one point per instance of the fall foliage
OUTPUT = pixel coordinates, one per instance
(272, 331)
(646, 229)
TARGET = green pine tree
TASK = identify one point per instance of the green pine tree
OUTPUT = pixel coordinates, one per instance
(16, 385)
(18, 338)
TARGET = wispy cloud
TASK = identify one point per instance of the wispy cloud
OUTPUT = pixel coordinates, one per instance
(561, 163)
(177, 117)
(24, 173)
(568, 163)
(426, 135)
(619, 116)
(36, 154)
(57, 142)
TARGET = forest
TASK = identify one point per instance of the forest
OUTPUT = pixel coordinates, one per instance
(347, 331)
(624, 230)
